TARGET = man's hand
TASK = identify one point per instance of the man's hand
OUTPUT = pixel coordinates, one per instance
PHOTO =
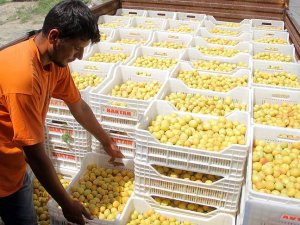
(73, 212)
(112, 150)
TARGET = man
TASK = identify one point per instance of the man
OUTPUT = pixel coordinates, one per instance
(30, 73)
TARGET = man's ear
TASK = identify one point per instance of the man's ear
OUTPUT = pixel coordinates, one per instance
(53, 36)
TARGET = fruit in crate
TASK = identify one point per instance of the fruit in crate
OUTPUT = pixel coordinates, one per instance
(103, 37)
(183, 205)
(187, 175)
(40, 199)
(273, 56)
(277, 78)
(145, 74)
(217, 65)
(262, 27)
(218, 83)
(110, 25)
(108, 57)
(276, 168)
(130, 41)
(104, 192)
(272, 40)
(136, 90)
(187, 131)
(154, 62)
(181, 29)
(150, 217)
(232, 25)
(87, 80)
(281, 115)
(223, 31)
(169, 44)
(197, 103)
(218, 51)
(146, 27)
(221, 41)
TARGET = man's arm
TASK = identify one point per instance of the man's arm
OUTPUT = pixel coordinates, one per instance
(44, 171)
(85, 116)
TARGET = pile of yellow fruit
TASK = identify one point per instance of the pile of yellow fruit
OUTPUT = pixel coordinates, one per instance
(41, 198)
(140, 73)
(136, 90)
(223, 31)
(181, 29)
(213, 65)
(218, 83)
(276, 168)
(284, 115)
(169, 44)
(103, 37)
(278, 79)
(152, 218)
(155, 62)
(110, 25)
(273, 57)
(186, 131)
(146, 27)
(232, 25)
(262, 27)
(183, 205)
(221, 41)
(272, 40)
(87, 80)
(130, 41)
(108, 57)
(187, 175)
(218, 51)
(104, 192)
(197, 103)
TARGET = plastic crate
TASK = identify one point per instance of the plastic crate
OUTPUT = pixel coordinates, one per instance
(132, 34)
(190, 16)
(56, 215)
(161, 14)
(235, 32)
(237, 95)
(193, 54)
(275, 67)
(261, 24)
(109, 32)
(223, 194)
(142, 206)
(241, 212)
(204, 32)
(101, 100)
(219, 22)
(160, 36)
(148, 23)
(174, 24)
(123, 137)
(210, 22)
(257, 34)
(156, 52)
(243, 47)
(288, 50)
(229, 162)
(113, 21)
(130, 12)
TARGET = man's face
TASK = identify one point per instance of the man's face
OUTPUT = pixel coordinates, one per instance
(65, 51)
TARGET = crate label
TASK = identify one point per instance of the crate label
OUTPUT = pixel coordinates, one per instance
(57, 102)
(60, 130)
(63, 156)
(290, 219)
(123, 141)
(119, 112)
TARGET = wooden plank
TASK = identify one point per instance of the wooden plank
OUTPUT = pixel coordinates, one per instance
(294, 34)
(106, 8)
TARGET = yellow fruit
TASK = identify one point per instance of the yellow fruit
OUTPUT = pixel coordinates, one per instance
(221, 41)
(272, 40)
(108, 57)
(273, 57)
(181, 29)
(218, 51)
(154, 62)
(223, 31)
(169, 44)
(86, 80)
(217, 65)
(130, 41)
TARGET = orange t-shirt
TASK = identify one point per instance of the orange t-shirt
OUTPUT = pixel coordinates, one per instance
(25, 91)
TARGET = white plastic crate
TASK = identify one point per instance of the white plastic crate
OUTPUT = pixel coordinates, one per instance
(141, 206)
(156, 52)
(243, 47)
(109, 32)
(219, 22)
(191, 55)
(113, 21)
(132, 34)
(101, 100)
(56, 215)
(241, 212)
(228, 162)
(223, 194)
(204, 32)
(190, 16)
(243, 26)
(161, 14)
(111, 48)
(160, 36)
(175, 24)
(288, 50)
(228, 32)
(257, 34)
(276, 67)
(130, 12)
(148, 23)
(123, 137)
(262, 24)
(237, 95)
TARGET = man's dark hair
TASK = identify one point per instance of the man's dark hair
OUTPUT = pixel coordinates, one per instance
(73, 19)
